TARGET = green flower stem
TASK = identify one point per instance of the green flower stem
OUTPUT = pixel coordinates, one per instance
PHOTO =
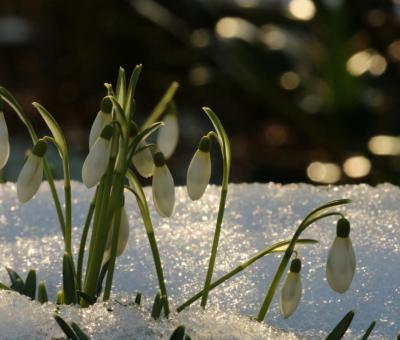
(223, 142)
(278, 247)
(137, 190)
(314, 216)
(161, 105)
(85, 232)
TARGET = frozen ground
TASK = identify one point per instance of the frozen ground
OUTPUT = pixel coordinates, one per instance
(256, 215)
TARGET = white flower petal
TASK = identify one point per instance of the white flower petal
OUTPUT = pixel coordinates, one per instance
(290, 294)
(198, 175)
(167, 138)
(341, 264)
(4, 142)
(102, 119)
(143, 161)
(96, 162)
(30, 178)
(163, 191)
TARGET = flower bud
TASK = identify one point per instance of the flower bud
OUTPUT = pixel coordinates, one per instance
(123, 237)
(102, 119)
(199, 171)
(31, 175)
(143, 160)
(163, 187)
(341, 263)
(96, 162)
(291, 290)
(167, 138)
(4, 143)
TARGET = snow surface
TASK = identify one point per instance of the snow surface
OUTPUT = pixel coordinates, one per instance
(256, 215)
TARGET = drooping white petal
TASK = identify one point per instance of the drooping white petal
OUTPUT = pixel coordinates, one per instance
(4, 142)
(96, 162)
(198, 175)
(102, 119)
(341, 264)
(123, 237)
(163, 191)
(30, 178)
(167, 137)
(290, 294)
(143, 161)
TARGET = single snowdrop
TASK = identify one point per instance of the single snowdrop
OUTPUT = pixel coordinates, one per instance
(163, 187)
(291, 290)
(96, 162)
(4, 142)
(199, 171)
(31, 175)
(143, 160)
(341, 263)
(167, 137)
(123, 237)
(102, 119)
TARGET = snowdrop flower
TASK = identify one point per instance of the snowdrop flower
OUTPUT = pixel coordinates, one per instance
(199, 171)
(96, 162)
(122, 237)
(31, 175)
(102, 119)
(4, 143)
(291, 290)
(163, 187)
(167, 138)
(143, 160)
(341, 262)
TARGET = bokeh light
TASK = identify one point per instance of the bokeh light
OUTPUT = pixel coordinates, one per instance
(326, 173)
(357, 166)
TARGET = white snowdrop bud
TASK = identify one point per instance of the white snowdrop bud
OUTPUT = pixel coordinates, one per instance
(167, 138)
(341, 263)
(291, 290)
(4, 143)
(31, 175)
(163, 187)
(122, 237)
(199, 171)
(96, 162)
(102, 119)
(143, 160)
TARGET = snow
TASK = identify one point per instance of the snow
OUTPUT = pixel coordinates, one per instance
(257, 215)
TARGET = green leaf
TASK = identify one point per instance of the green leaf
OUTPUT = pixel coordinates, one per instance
(316, 213)
(130, 94)
(369, 330)
(142, 135)
(30, 284)
(79, 332)
(17, 283)
(121, 87)
(138, 298)
(42, 293)
(69, 286)
(54, 128)
(120, 115)
(4, 287)
(60, 297)
(282, 246)
(68, 331)
(89, 299)
(157, 306)
(102, 275)
(341, 328)
(179, 333)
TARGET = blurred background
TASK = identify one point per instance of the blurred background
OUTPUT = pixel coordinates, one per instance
(308, 91)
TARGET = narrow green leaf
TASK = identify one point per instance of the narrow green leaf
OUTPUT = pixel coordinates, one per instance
(68, 331)
(138, 298)
(4, 287)
(341, 328)
(69, 286)
(17, 283)
(102, 275)
(121, 87)
(60, 298)
(89, 299)
(54, 128)
(30, 284)
(120, 115)
(42, 293)
(157, 306)
(179, 333)
(315, 214)
(79, 332)
(369, 330)
(142, 135)
(130, 94)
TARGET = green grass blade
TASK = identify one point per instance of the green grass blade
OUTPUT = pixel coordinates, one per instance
(42, 293)
(341, 328)
(121, 86)
(130, 94)
(79, 332)
(68, 331)
(30, 284)
(179, 333)
(17, 283)
(157, 306)
(69, 286)
(369, 331)
(4, 287)
(138, 298)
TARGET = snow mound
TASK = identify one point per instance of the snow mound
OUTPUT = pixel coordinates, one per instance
(257, 215)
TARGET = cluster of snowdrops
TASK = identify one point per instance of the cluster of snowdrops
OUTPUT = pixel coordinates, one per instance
(118, 155)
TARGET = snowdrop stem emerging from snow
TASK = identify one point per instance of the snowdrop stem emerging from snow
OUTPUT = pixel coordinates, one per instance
(223, 141)
(317, 214)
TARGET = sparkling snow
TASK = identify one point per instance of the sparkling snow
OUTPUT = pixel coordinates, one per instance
(257, 215)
